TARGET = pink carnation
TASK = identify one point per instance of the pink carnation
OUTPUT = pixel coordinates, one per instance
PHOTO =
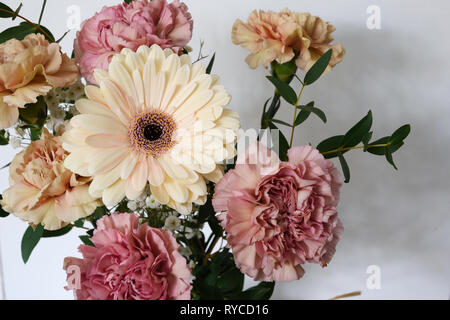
(130, 26)
(278, 215)
(129, 262)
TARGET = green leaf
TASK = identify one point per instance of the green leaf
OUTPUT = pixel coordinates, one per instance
(318, 68)
(231, 281)
(127, 1)
(357, 132)
(22, 30)
(310, 108)
(18, 32)
(34, 113)
(283, 143)
(30, 239)
(210, 64)
(400, 134)
(3, 14)
(365, 140)
(379, 151)
(264, 119)
(3, 213)
(345, 168)
(87, 241)
(263, 291)
(79, 223)
(284, 90)
(389, 158)
(4, 138)
(208, 214)
(281, 122)
(57, 233)
(50, 36)
(301, 117)
(330, 144)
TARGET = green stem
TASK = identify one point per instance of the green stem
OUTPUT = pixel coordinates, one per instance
(358, 147)
(42, 12)
(295, 115)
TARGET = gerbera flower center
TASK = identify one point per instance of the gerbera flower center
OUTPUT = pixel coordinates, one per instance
(151, 132)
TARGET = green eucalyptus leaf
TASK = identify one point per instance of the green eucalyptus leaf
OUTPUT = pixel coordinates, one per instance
(210, 64)
(87, 241)
(22, 30)
(262, 291)
(355, 135)
(330, 144)
(283, 143)
(301, 117)
(311, 109)
(57, 233)
(379, 151)
(284, 90)
(281, 122)
(4, 14)
(400, 134)
(388, 155)
(318, 68)
(79, 223)
(30, 239)
(365, 140)
(345, 168)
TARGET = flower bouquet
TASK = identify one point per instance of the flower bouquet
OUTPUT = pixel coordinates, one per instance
(132, 140)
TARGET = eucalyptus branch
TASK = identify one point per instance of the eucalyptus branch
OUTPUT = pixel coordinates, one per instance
(36, 26)
(358, 147)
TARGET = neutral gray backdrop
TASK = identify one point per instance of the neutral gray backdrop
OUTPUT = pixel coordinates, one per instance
(399, 221)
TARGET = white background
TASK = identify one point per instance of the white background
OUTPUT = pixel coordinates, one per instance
(399, 221)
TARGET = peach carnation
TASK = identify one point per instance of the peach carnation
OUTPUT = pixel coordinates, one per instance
(280, 36)
(29, 68)
(130, 26)
(279, 215)
(42, 190)
(129, 262)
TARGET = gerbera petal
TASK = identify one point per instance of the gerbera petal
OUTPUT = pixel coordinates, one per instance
(160, 193)
(128, 167)
(97, 123)
(106, 140)
(106, 159)
(176, 191)
(116, 100)
(155, 173)
(114, 194)
(92, 107)
(139, 175)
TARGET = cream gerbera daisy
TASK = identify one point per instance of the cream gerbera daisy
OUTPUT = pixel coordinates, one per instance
(155, 118)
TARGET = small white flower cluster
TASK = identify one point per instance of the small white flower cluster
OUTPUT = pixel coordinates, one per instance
(61, 101)
(144, 201)
(15, 142)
